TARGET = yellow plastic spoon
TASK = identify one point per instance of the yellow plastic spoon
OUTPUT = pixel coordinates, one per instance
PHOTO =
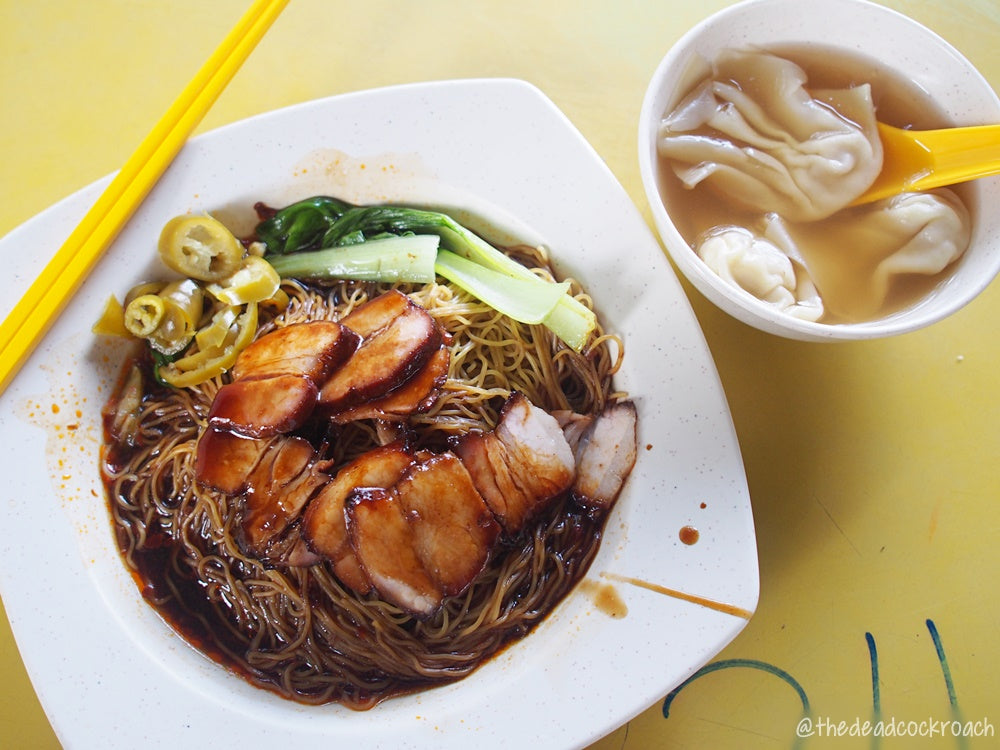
(925, 159)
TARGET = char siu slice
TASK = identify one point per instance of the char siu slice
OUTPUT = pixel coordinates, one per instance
(535, 441)
(264, 407)
(522, 465)
(324, 525)
(574, 425)
(313, 350)
(399, 337)
(416, 395)
(277, 489)
(376, 313)
(276, 378)
(605, 455)
(453, 530)
(224, 460)
(383, 541)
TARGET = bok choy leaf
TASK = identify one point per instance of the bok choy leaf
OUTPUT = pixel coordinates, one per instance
(336, 227)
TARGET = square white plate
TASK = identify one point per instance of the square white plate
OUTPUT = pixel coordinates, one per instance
(498, 154)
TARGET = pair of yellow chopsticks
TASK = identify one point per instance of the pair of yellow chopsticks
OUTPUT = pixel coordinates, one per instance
(32, 316)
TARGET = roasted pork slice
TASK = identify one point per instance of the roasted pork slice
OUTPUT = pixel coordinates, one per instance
(376, 313)
(454, 531)
(313, 350)
(573, 425)
(416, 395)
(298, 554)
(537, 445)
(386, 358)
(605, 456)
(277, 489)
(488, 463)
(473, 449)
(324, 524)
(522, 465)
(224, 460)
(264, 407)
(285, 550)
(383, 541)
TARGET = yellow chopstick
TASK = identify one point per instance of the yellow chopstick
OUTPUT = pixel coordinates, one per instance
(35, 312)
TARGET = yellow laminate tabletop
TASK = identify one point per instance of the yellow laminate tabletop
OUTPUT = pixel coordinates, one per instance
(871, 465)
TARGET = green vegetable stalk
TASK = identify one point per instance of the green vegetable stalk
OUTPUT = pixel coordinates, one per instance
(527, 301)
(409, 258)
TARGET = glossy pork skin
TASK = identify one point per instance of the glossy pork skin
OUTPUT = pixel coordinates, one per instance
(418, 394)
(276, 379)
(264, 407)
(383, 541)
(225, 459)
(453, 529)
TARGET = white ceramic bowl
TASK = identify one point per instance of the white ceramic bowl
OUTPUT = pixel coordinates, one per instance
(860, 26)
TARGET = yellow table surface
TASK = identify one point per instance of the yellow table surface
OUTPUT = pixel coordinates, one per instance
(871, 465)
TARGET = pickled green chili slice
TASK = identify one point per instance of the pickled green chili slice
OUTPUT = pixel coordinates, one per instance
(204, 364)
(200, 248)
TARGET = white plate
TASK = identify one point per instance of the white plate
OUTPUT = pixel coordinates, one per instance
(110, 673)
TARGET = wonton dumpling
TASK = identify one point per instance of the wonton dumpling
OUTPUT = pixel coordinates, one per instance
(753, 132)
(759, 267)
(933, 230)
(855, 263)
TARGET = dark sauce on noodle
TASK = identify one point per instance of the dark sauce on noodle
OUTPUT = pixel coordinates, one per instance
(339, 647)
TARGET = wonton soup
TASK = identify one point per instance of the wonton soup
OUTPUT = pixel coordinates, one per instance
(765, 156)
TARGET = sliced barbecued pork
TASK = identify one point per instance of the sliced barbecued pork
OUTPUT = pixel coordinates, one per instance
(573, 425)
(535, 441)
(264, 407)
(311, 349)
(383, 541)
(277, 490)
(398, 337)
(416, 395)
(297, 553)
(605, 455)
(453, 530)
(376, 313)
(276, 379)
(426, 537)
(486, 460)
(224, 460)
(522, 465)
(324, 525)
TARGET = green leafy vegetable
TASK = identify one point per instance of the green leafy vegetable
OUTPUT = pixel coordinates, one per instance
(322, 225)
(301, 225)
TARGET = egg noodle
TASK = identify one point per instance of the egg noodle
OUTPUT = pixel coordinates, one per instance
(297, 630)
